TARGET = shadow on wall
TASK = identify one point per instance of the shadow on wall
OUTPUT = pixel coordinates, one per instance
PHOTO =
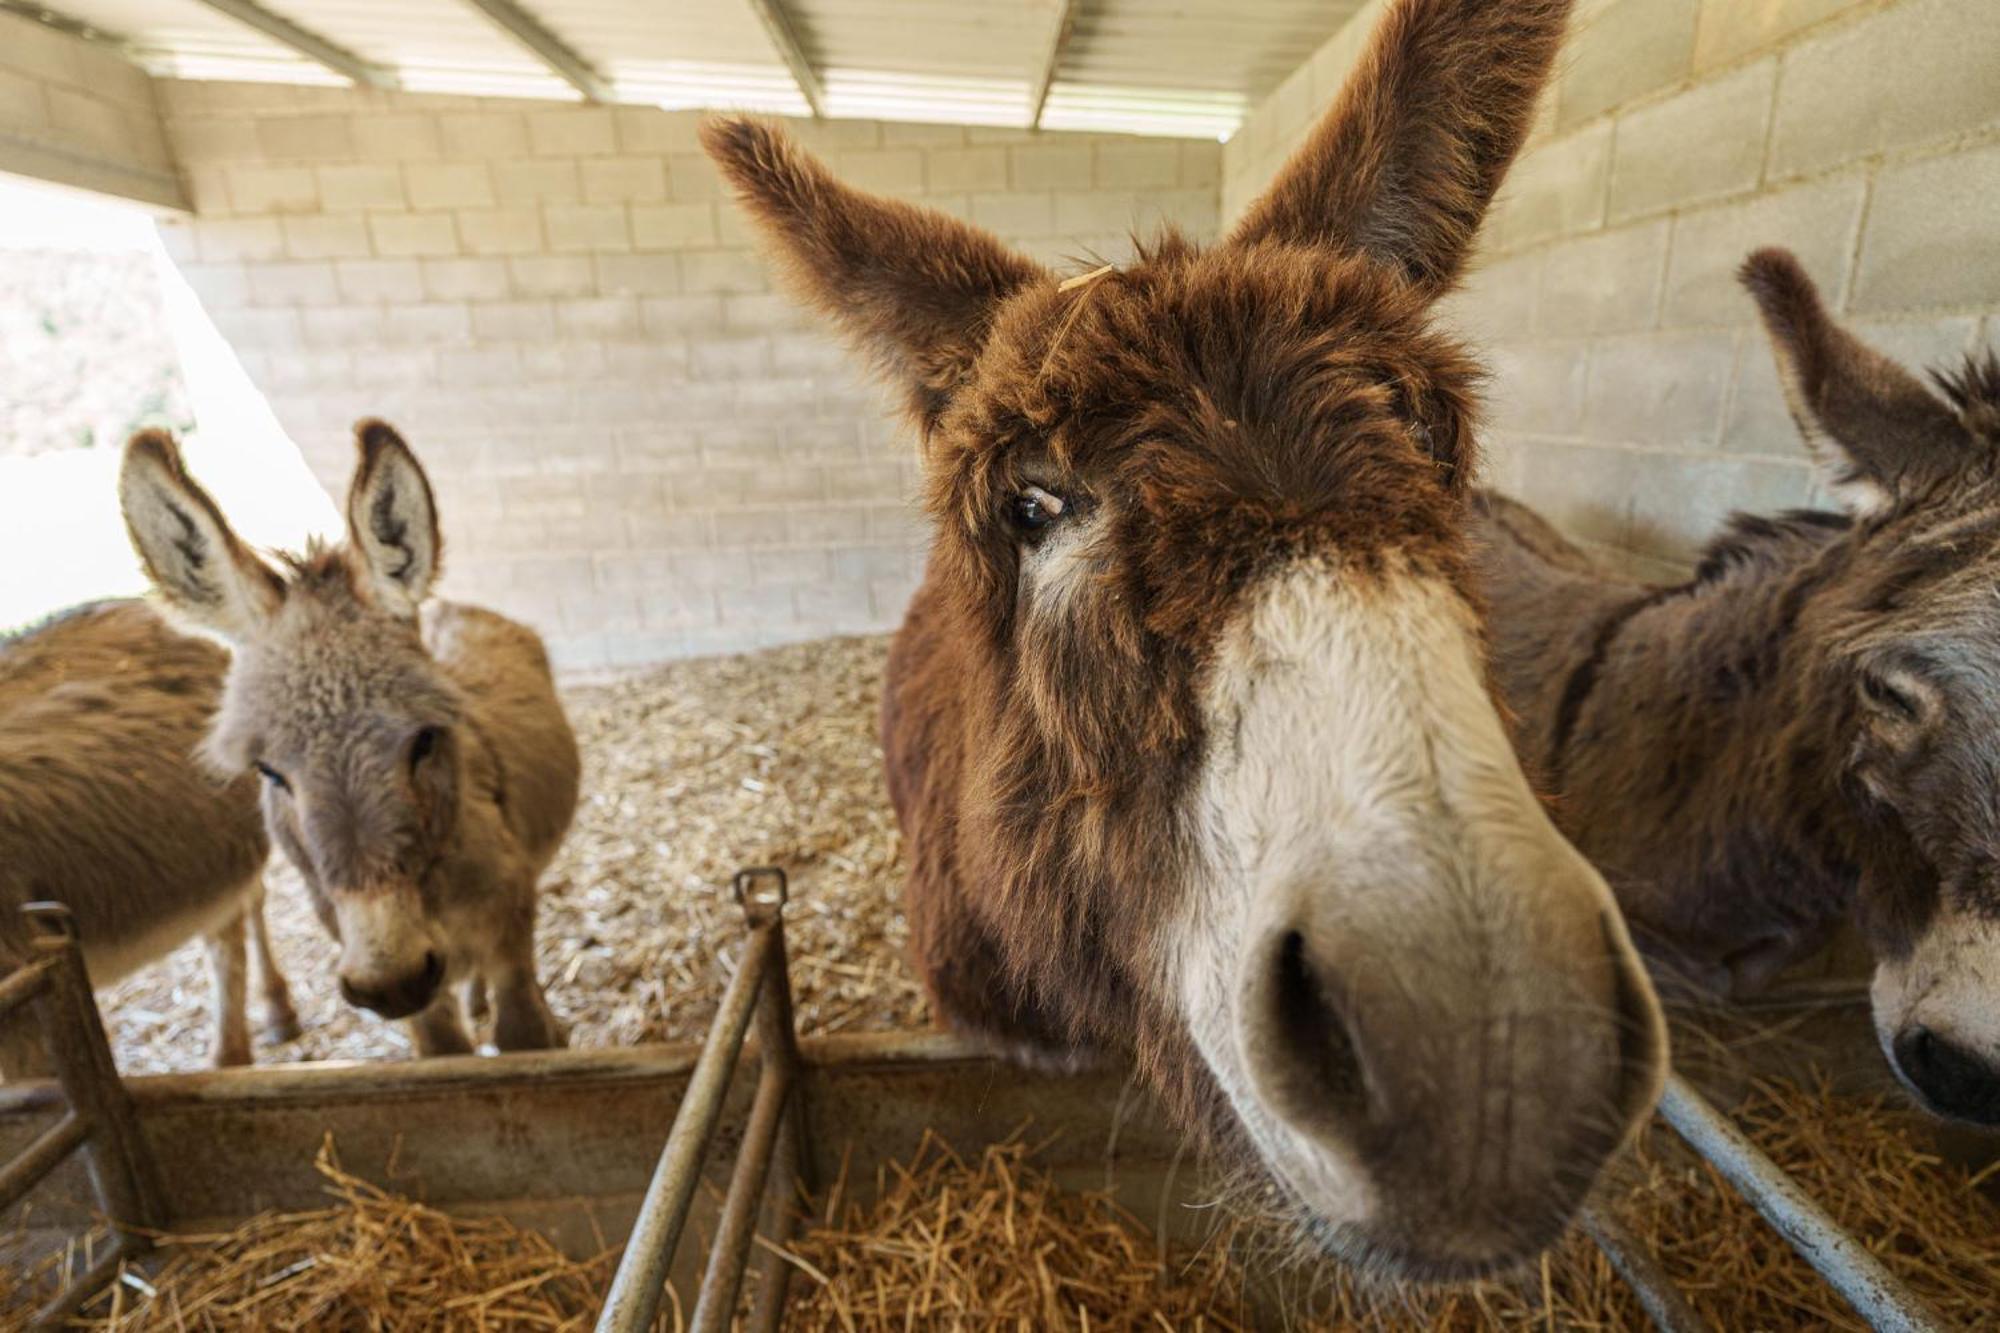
(77, 268)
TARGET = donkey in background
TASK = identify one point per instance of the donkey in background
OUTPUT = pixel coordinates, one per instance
(1811, 724)
(1188, 727)
(418, 769)
(104, 809)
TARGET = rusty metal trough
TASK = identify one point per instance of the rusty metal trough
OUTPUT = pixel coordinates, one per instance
(570, 1143)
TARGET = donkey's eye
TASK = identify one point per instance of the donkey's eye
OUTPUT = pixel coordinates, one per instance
(273, 776)
(1035, 509)
(1888, 698)
(423, 746)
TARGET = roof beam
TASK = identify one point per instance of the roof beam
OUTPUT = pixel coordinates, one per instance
(1045, 77)
(783, 36)
(308, 44)
(551, 50)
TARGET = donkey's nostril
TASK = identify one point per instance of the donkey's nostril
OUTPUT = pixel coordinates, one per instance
(356, 996)
(433, 970)
(1954, 1080)
(1308, 1062)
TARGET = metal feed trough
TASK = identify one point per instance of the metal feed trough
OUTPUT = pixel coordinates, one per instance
(569, 1142)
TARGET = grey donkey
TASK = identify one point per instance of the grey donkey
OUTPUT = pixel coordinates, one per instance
(103, 808)
(1811, 724)
(418, 769)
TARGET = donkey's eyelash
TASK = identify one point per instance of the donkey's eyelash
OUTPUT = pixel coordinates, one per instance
(272, 776)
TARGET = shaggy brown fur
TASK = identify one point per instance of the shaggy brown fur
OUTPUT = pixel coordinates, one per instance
(419, 770)
(103, 807)
(1807, 725)
(1214, 414)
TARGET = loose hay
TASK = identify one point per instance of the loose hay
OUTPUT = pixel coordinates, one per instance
(691, 771)
(993, 1243)
(371, 1260)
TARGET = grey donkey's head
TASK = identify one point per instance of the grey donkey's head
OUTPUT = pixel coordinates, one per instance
(1908, 617)
(331, 695)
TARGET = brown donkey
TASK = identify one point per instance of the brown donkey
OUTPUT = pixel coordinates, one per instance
(1811, 724)
(417, 765)
(1188, 726)
(103, 808)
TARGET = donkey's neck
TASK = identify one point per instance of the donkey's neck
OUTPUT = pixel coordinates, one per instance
(1696, 765)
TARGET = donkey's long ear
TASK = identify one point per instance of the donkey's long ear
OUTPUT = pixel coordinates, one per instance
(1407, 160)
(1872, 426)
(392, 520)
(913, 288)
(202, 569)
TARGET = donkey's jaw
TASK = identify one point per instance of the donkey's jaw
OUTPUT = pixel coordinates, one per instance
(1419, 1001)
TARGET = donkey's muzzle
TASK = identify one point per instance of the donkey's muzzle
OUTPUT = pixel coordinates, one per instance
(398, 997)
(1952, 1079)
(1474, 1098)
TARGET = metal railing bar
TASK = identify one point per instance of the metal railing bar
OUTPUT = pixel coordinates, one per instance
(777, 1034)
(715, 1307)
(656, 1231)
(117, 1154)
(774, 1275)
(23, 984)
(1664, 1303)
(1878, 1295)
(44, 1155)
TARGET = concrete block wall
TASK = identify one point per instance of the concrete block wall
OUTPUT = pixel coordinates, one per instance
(637, 444)
(1633, 397)
(78, 114)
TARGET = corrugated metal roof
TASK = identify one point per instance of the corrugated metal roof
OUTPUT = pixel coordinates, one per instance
(1188, 67)
(679, 55)
(434, 45)
(187, 39)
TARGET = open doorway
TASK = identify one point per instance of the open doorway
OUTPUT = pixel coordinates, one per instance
(100, 336)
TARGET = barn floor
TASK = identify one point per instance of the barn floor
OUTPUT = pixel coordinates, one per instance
(691, 771)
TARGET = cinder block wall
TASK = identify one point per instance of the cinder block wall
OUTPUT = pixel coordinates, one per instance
(1633, 397)
(637, 445)
(80, 115)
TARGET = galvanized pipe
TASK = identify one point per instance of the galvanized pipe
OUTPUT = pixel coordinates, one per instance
(1878, 1295)
(42, 1156)
(715, 1308)
(1662, 1301)
(656, 1232)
